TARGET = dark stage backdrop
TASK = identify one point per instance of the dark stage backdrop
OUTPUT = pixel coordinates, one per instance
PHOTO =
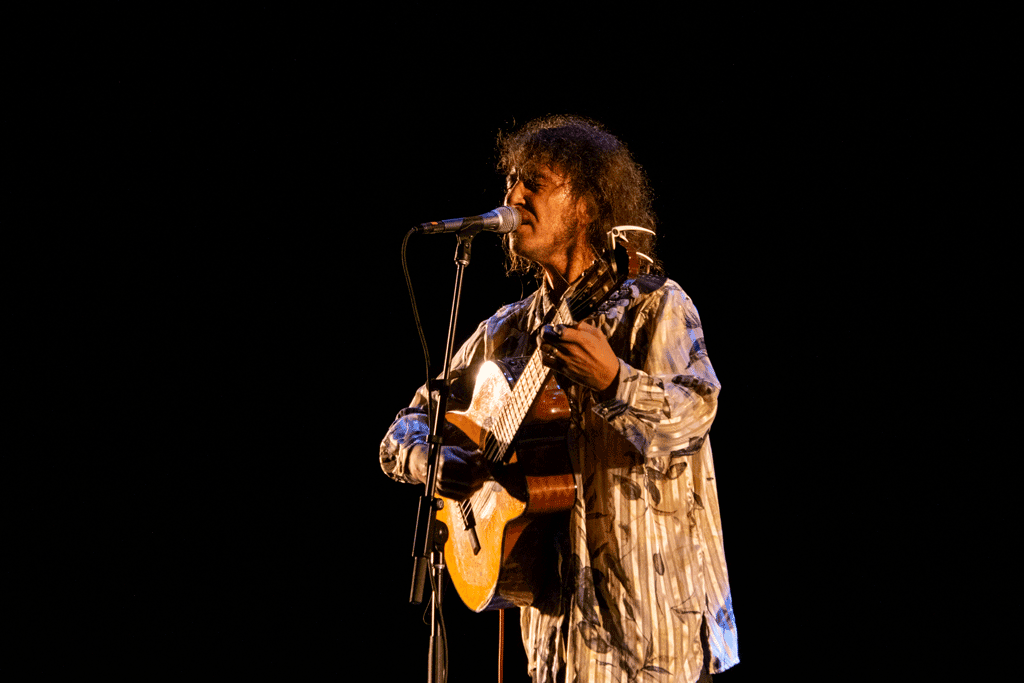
(245, 205)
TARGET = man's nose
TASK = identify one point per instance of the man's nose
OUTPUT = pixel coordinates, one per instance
(515, 194)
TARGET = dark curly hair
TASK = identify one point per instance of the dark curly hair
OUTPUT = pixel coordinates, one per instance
(599, 169)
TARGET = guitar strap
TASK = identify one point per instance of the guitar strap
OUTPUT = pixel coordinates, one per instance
(648, 282)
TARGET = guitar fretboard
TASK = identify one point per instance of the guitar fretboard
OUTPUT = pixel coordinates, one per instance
(524, 393)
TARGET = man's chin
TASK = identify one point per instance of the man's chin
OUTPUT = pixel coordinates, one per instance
(515, 246)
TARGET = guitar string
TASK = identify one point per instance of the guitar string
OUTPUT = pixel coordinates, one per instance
(512, 413)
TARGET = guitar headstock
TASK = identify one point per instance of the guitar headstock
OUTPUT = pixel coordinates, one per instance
(620, 263)
(618, 237)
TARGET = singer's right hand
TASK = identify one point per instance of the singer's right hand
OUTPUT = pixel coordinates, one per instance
(460, 472)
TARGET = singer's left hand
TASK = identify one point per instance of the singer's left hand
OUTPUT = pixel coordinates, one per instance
(581, 352)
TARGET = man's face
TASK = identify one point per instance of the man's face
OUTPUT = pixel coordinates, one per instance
(551, 218)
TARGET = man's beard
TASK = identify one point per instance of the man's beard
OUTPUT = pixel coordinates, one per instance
(566, 235)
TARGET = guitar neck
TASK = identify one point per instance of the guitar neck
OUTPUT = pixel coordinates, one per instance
(577, 303)
(527, 387)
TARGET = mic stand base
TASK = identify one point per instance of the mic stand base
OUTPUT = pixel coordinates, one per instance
(437, 664)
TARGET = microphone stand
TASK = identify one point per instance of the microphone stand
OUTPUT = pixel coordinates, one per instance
(430, 535)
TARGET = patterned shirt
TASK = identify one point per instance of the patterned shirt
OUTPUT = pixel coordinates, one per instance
(643, 565)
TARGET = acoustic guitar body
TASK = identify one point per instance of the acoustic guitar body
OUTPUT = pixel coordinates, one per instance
(513, 554)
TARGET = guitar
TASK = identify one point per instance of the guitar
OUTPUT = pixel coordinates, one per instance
(498, 548)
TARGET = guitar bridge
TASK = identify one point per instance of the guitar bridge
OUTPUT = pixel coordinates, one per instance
(469, 524)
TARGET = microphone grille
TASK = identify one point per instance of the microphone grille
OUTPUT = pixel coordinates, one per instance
(510, 218)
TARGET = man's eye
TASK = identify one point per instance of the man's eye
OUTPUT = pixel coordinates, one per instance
(531, 183)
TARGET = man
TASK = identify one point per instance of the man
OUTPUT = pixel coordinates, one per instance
(642, 592)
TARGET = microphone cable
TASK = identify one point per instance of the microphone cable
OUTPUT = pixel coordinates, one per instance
(418, 323)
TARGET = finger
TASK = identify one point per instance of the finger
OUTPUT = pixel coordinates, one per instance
(588, 330)
(552, 357)
(552, 333)
(580, 334)
(456, 489)
(547, 354)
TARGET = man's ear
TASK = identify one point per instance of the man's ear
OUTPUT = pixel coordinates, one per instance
(586, 210)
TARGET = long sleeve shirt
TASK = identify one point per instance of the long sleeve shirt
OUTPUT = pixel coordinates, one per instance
(643, 568)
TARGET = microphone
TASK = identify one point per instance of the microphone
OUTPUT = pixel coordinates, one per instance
(502, 220)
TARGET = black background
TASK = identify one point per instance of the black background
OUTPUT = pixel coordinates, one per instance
(235, 335)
